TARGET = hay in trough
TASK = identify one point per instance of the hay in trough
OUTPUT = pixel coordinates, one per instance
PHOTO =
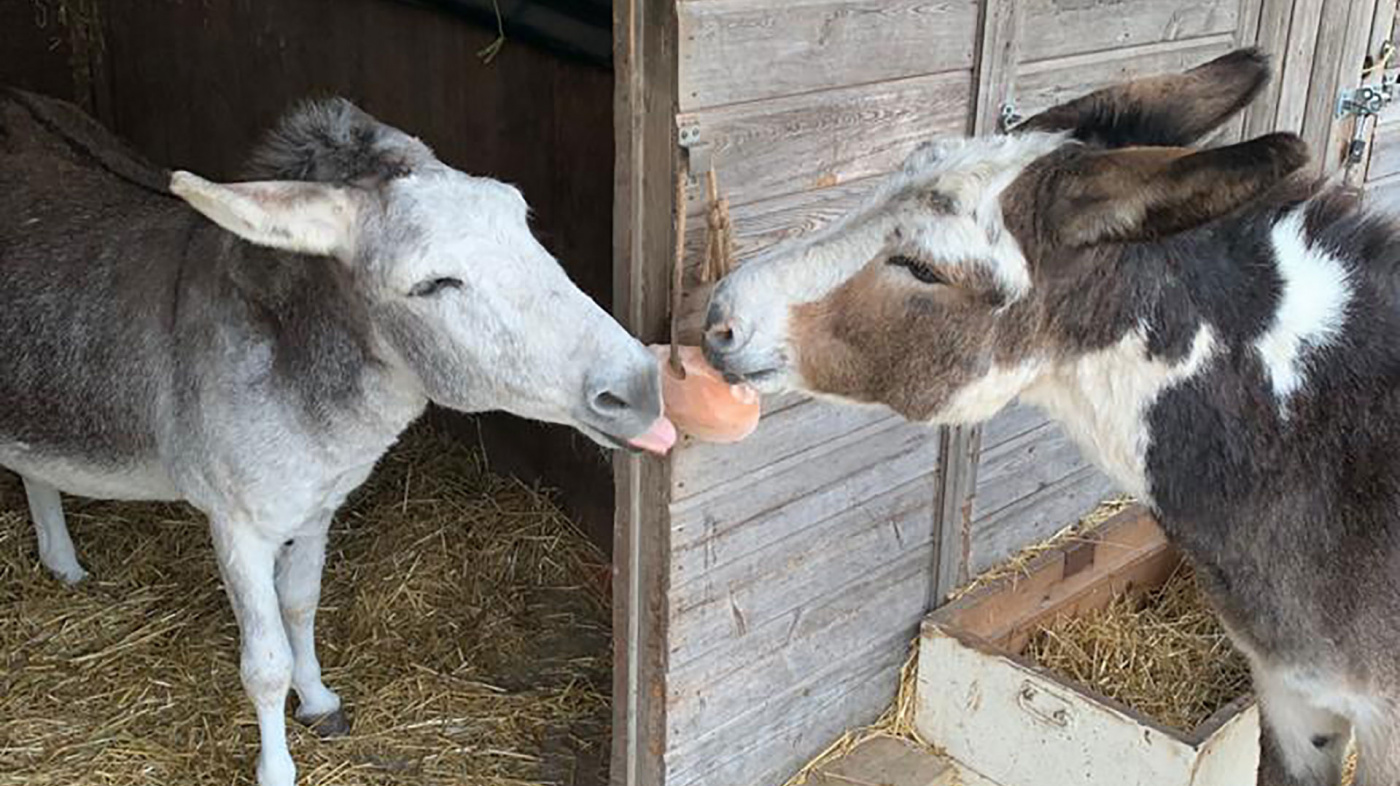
(461, 623)
(1164, 654)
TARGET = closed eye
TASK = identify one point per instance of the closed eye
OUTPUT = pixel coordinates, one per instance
(435, 285)
(919, 270)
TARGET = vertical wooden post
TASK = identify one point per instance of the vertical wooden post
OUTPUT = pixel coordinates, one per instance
(644, 123)
(998, 54)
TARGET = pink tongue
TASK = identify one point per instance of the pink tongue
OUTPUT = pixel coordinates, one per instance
(658, 439)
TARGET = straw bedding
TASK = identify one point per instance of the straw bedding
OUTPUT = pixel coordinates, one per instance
(1163, 654)
(460, 623)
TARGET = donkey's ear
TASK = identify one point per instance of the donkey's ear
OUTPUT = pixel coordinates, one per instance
(308, 218)
(1177, 109)
(1150, 192)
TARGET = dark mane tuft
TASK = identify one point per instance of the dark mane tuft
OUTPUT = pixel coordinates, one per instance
(334, 141)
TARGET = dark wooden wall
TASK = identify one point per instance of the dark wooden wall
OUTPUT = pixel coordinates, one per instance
(193, 83)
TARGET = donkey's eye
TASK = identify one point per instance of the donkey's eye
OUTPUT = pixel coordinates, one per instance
(917, 269)
(435, 285)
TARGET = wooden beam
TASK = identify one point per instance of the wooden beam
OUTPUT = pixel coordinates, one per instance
(646, 156)
(998, 54)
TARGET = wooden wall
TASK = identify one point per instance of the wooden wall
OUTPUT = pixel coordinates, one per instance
(194, 84)
(798, 562)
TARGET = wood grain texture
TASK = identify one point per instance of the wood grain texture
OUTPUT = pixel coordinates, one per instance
(817, 140)
(1385, 153)
(1059, 28)
(701, 466)
(1037, 516)
(792, 495)
(1023, 465)
(1046, 83)
(1011, 422)
(1294, 66)
(644, 108)
(739, 50)
(729, 601)
(1261, 115)
(1338, 59)
(770, 745)
(1382, 31)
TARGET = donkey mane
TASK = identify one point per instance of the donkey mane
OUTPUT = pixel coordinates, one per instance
(331, 140)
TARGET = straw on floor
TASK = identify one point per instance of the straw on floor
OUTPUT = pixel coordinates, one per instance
(458, 623)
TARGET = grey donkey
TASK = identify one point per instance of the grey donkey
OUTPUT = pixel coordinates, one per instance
(254, 348)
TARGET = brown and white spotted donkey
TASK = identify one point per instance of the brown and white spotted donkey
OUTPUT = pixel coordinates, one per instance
(1219, 333)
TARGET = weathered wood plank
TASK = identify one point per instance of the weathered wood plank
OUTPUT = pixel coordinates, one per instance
(1024, 465)
(644, 106)
(812, 487)
(831, 627)
(998, 54)
(887, 761)
(739, 50)
(1384, 195)
(1338, 59)
(1272, 37)
(702, 466)
(1037, 516)
(787, 145)
(729, 601)
(1294, 68)
(1071, 27)
(768, 745)
(1049, 82)
(1382, 30)
(1011, 422)
(1385, 152)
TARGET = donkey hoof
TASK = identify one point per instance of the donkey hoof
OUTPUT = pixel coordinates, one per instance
(333, 724)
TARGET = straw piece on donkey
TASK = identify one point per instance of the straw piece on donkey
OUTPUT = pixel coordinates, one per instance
(1216, 329)
(253, 348)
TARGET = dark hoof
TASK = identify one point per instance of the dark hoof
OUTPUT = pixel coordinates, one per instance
(332, 724)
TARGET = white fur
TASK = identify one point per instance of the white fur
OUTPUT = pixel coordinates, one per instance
(1102, 399)
(987, 395)
(1312, 307)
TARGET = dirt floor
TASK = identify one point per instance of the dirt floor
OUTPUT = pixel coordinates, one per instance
(463, 623)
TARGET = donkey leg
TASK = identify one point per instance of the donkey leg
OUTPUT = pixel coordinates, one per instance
(247, 562)
(55, 546)
(299, 569)
(1301, 744)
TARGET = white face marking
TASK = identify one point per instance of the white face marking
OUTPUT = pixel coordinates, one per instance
(1311, 310)
(1102, 399)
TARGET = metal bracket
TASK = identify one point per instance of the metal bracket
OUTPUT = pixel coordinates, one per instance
(1362, 103)
(698, 153)
(1008, 118)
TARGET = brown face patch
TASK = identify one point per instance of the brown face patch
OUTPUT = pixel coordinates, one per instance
(883, 337)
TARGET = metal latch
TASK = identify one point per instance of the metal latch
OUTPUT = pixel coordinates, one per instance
(1008, 118)
(698, 152)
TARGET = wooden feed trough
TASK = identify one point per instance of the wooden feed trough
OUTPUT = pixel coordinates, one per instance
(999, 714)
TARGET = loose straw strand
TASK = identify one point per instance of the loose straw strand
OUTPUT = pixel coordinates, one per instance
(678, 274)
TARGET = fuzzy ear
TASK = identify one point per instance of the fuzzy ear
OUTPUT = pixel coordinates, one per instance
(1150, 192)
(308, 218)
(1176, 109)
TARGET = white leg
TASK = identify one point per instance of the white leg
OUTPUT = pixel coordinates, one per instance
(247, 562)
(1303, 744)
(298, 593)
(55, 546)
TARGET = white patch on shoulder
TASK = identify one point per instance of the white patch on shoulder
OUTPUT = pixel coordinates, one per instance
(1102, 400)
(1311, 310)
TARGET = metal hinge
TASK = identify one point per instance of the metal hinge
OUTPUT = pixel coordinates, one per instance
(698, 153)
(1366, 102)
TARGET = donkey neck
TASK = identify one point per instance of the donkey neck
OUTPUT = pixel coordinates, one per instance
(1234, 312)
